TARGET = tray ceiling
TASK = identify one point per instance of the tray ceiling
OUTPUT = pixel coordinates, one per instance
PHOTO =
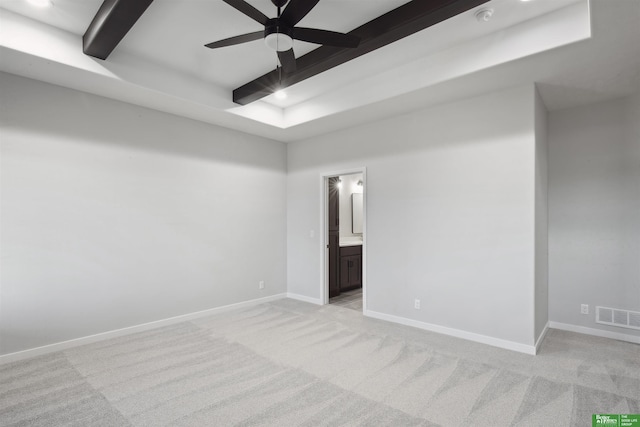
(162, 63)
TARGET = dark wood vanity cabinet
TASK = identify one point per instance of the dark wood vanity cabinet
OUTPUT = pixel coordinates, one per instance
(350, 267)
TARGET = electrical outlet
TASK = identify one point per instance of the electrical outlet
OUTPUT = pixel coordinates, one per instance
(416, 304)
(261, 284)
(584, 308)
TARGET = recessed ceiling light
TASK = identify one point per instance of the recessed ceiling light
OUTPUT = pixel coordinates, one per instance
(40, 3)
(281, 94)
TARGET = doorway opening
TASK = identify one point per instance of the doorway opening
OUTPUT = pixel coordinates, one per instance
(344, 225)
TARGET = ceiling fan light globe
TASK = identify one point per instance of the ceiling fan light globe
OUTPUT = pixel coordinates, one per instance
(278, 42)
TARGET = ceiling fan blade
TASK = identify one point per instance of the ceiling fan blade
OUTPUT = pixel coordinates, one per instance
(329, 38)
(248, 10)
(287, 60)
(296, 10)
(236, 40)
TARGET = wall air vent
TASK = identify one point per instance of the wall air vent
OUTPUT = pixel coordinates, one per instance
(616, 317)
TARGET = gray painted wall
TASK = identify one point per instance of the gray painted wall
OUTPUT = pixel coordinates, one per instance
(114, 215)
(149, 216)
(594, 211)
(542, 226)
(450, 213)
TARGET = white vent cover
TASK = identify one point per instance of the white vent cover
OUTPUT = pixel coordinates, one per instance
(616, 317)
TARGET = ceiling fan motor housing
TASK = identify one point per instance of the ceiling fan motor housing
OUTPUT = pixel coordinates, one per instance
(277, 35)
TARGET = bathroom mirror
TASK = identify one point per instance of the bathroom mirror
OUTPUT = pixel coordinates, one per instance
(356, 213)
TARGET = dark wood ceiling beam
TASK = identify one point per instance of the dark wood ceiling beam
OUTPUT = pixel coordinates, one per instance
(112, 22)
(388, 28)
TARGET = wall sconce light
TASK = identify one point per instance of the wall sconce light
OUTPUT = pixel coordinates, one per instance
(339, 184)
(359, 184)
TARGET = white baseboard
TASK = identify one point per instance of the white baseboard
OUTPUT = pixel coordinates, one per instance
(541, 337)
(483, 339)
(38, 351)
(303, 298)
(595, 332)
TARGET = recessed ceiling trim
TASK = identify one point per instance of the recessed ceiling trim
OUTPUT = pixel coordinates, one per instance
(112, 22)
(381, 31)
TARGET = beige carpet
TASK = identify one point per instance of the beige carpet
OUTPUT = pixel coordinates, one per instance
(289, 363)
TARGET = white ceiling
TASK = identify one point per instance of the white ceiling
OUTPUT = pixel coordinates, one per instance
(577, 51)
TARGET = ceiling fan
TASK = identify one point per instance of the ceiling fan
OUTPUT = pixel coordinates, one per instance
(280, 32)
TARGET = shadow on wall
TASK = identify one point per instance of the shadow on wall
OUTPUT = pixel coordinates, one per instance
(84, 118)
(396, 136)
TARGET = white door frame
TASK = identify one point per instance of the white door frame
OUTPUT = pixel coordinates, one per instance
(324, 241)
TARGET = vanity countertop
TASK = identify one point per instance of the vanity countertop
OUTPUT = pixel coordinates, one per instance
(350, 241)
